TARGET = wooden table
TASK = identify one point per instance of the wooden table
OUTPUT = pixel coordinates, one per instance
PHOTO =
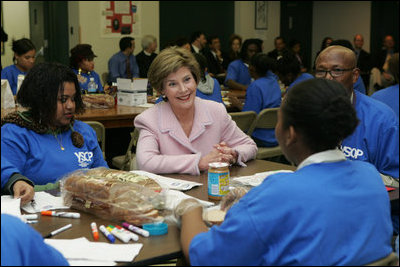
(156, 249)
(116, 117)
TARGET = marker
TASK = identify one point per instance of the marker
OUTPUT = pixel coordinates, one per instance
(30, 216)
(109, 236)
(120, 235)
(94, 231)
(32, 221)
(136, 229)
(133, 236)
(59, 230)
(74, 215)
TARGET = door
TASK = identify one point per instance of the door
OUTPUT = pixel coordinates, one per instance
(36, 27)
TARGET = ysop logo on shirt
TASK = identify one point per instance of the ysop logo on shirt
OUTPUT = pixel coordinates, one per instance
(350, 152)
(84, 158)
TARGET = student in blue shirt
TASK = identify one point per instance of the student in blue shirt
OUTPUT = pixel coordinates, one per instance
(123, 64)
(289, 71)
(330, 211)
(23, 246)
(45, 142)
(390, 95)
(82, 63)
(238, 76)
(24, 59)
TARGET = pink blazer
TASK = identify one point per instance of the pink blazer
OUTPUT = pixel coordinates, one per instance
(163, 147)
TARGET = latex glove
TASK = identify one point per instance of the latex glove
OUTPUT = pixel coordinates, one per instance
(24, 191)
(232, 197)
(183, 207)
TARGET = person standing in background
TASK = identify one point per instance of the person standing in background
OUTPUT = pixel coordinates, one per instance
(24, 59)
(147, 55)
(123, 64)
(363, 59)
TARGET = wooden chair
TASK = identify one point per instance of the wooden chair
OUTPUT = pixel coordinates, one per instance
(389, 260)
(266, 119)
(101, 134)
(127, 162)
(243, 119)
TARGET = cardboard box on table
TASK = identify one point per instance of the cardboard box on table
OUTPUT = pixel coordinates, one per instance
(132, 93)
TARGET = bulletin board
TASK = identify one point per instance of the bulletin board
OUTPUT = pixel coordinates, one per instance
(119, 18)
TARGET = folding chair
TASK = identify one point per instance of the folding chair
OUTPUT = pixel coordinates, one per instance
(127, 162)
(101, 134)
(266, 119)
(243, 119)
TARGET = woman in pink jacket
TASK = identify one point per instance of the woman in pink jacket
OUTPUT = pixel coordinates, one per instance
(184, 133)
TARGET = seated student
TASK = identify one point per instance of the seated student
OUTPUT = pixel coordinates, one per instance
(376, 138)
(330, 211)
(238, 75)
(24, 59)
(23, 246)
(263, 93)
(359, 85)
(390, 95)
(46, 142)
(123, 64)
(185, 133)
(147, 55)
(289, 71)
(81, 62)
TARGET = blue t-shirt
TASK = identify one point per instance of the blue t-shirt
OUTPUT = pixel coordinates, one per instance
(389, 96)
(304, 76)
(11, 74)
(23, 246)
(85, 79)
(323, 214)
(39, 156)
(261, 94)
(117, 67)
(238, 72)
(359, 85)
(376, 138)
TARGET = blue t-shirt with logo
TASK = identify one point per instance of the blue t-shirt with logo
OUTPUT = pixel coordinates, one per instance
(376, 138)
(40, 157)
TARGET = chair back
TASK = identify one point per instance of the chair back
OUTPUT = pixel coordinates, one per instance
(389, 260)
(100, 130)
(129, 155)
(104, 77)
(266, 119)
(243, 119)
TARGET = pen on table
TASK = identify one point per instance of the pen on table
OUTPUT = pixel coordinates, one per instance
(74, 215)
(136, 229)
(107, 234)
(94, 231)
(58, 230)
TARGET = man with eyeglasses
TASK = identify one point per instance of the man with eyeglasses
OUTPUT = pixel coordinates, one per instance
(376, 138)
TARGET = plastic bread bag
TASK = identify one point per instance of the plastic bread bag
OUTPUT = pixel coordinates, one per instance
(114, 194)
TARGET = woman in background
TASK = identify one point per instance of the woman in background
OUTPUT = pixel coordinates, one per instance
(24, 60)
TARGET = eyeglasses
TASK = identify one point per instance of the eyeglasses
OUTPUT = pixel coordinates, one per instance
(334, 73)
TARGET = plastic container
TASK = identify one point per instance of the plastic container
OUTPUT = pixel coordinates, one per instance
(218, 180)
(156, 228)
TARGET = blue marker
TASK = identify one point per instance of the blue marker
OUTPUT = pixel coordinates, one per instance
(109, 236)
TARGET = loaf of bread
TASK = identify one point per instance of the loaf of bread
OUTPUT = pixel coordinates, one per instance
(98, 100)
(114, 194)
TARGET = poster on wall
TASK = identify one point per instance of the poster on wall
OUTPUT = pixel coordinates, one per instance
(120, 18)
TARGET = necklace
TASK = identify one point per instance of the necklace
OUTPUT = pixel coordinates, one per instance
(59, 142)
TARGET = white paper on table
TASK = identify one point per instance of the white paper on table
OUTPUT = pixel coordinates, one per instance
(171, 183)
(44, 201)
(11, 205)
(258, 178)
(82, 249)
(91, 263)
(7, 98)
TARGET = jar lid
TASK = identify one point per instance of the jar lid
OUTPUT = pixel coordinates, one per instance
(218, 164)
(156, 228)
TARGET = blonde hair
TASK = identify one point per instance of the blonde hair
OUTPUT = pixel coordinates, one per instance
(170, 60)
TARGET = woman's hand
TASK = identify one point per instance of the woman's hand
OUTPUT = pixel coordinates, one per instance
(24, 191)
(213, 156)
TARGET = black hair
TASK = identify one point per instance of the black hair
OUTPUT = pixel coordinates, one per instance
(394, 66)
(343, 42)
(280, 37)
(294, 42)
(211, 38)
(196, 35)
(203, 65)
(323, 44)
(22, 46)
(246, 43)
(262, 63)
(79, 53)
(181, 41)
(321, 111)
(125, 42)
(39, 90)
(288, 63)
